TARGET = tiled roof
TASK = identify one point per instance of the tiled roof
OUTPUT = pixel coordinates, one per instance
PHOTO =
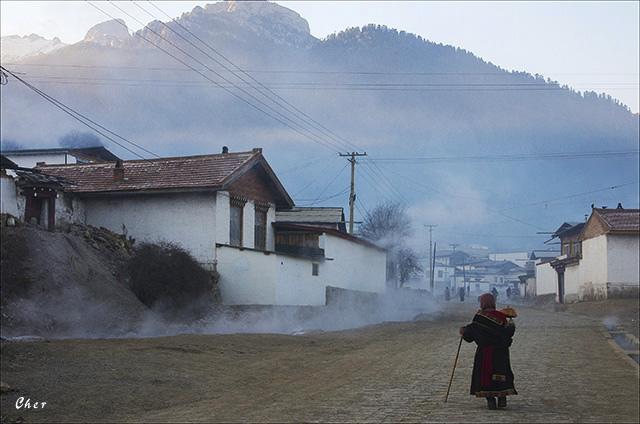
(620, 219)
(187, 172)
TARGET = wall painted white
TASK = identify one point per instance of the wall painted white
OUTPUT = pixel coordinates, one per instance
(222, 211)
(188, 219)
(296, 285)
(247, 277)
(592, 276)
(9, 197)
(30, 161)
(266, 278)
(354, 265)
(248, 223)
(623, 259)
(271, 218)
(546, 279)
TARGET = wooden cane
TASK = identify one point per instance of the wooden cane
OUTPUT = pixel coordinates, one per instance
(455, 362)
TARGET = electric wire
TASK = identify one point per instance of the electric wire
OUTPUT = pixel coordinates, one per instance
(82, 118)
(310, 121)
(283, 122)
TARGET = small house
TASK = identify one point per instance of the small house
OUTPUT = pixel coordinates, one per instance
(223, 209)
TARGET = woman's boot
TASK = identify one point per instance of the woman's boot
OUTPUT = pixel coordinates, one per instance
(502, 402)
(491, 403)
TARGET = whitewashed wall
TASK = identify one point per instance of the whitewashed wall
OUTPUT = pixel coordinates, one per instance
(248, 223)
(623, 259)
(30, 161)
(354, 266)
(8, 197)
(188, 219)
(546, 279)
(296, 285)
(263, 278)
(271, 218)
(593, 269)
(247, 277)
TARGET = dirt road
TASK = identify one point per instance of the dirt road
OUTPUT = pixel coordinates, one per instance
(565, 371)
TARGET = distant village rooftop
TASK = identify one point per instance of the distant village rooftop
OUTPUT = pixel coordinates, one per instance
(89, 154)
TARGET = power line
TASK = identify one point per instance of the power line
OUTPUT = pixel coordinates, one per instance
(328, 185)
(207, 78)
(509, 158)
(321, 72)
(82, 118)
(296, 86)
(568, 196)
(314, 123)
(333, 196)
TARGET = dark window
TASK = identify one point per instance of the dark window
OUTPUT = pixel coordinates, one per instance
(260, 228)
(315, 269)
(235, 224)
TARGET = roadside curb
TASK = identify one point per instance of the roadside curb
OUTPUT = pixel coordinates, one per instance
(619, 350)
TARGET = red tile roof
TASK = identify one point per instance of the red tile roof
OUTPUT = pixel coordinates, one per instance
(186, 172)
(620, 219)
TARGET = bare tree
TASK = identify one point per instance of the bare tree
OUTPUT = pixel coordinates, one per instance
(389, 226)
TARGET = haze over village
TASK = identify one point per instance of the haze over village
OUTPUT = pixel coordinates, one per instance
(297, 223)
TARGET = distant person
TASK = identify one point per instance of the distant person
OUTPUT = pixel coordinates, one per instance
(447, 294)
(468, 289)
(461, 293)
(494, 292)
(508, 292)
(492, 331)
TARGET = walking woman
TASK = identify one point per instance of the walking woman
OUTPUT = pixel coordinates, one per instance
(492, 331)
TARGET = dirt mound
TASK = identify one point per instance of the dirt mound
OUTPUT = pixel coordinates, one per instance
(66, 284)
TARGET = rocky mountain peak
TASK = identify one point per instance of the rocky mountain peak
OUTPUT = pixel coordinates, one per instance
(112, 33)
(266, 20)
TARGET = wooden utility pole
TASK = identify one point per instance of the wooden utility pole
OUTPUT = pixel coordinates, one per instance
(352, 196)
(430, 227)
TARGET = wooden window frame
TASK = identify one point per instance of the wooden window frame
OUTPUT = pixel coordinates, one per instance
(260, 210)
(235, 202)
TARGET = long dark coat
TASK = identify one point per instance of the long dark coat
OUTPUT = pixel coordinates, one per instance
(493, 332)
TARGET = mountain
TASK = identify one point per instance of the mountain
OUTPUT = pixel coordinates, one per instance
(113, 33)
(391, 93)
(15, 47)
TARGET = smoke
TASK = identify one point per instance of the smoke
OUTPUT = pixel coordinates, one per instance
(78, 139)
(350, 310)
(10, 145)
(73, 313)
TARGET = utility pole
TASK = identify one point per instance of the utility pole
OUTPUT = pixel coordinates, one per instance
(430, 227)
(352, 196)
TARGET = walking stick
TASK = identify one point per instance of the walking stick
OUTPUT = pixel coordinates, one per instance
(455, 362)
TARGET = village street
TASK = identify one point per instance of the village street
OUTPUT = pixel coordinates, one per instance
(566, 371)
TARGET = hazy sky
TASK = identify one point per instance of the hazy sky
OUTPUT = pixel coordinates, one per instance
(588, 45)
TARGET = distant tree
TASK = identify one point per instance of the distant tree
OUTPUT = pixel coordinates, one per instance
(389, 226)
(79, 139)
(408, 264)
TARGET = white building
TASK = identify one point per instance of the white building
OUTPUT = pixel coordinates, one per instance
(601, 259)
(30, 158)
(222, 209)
